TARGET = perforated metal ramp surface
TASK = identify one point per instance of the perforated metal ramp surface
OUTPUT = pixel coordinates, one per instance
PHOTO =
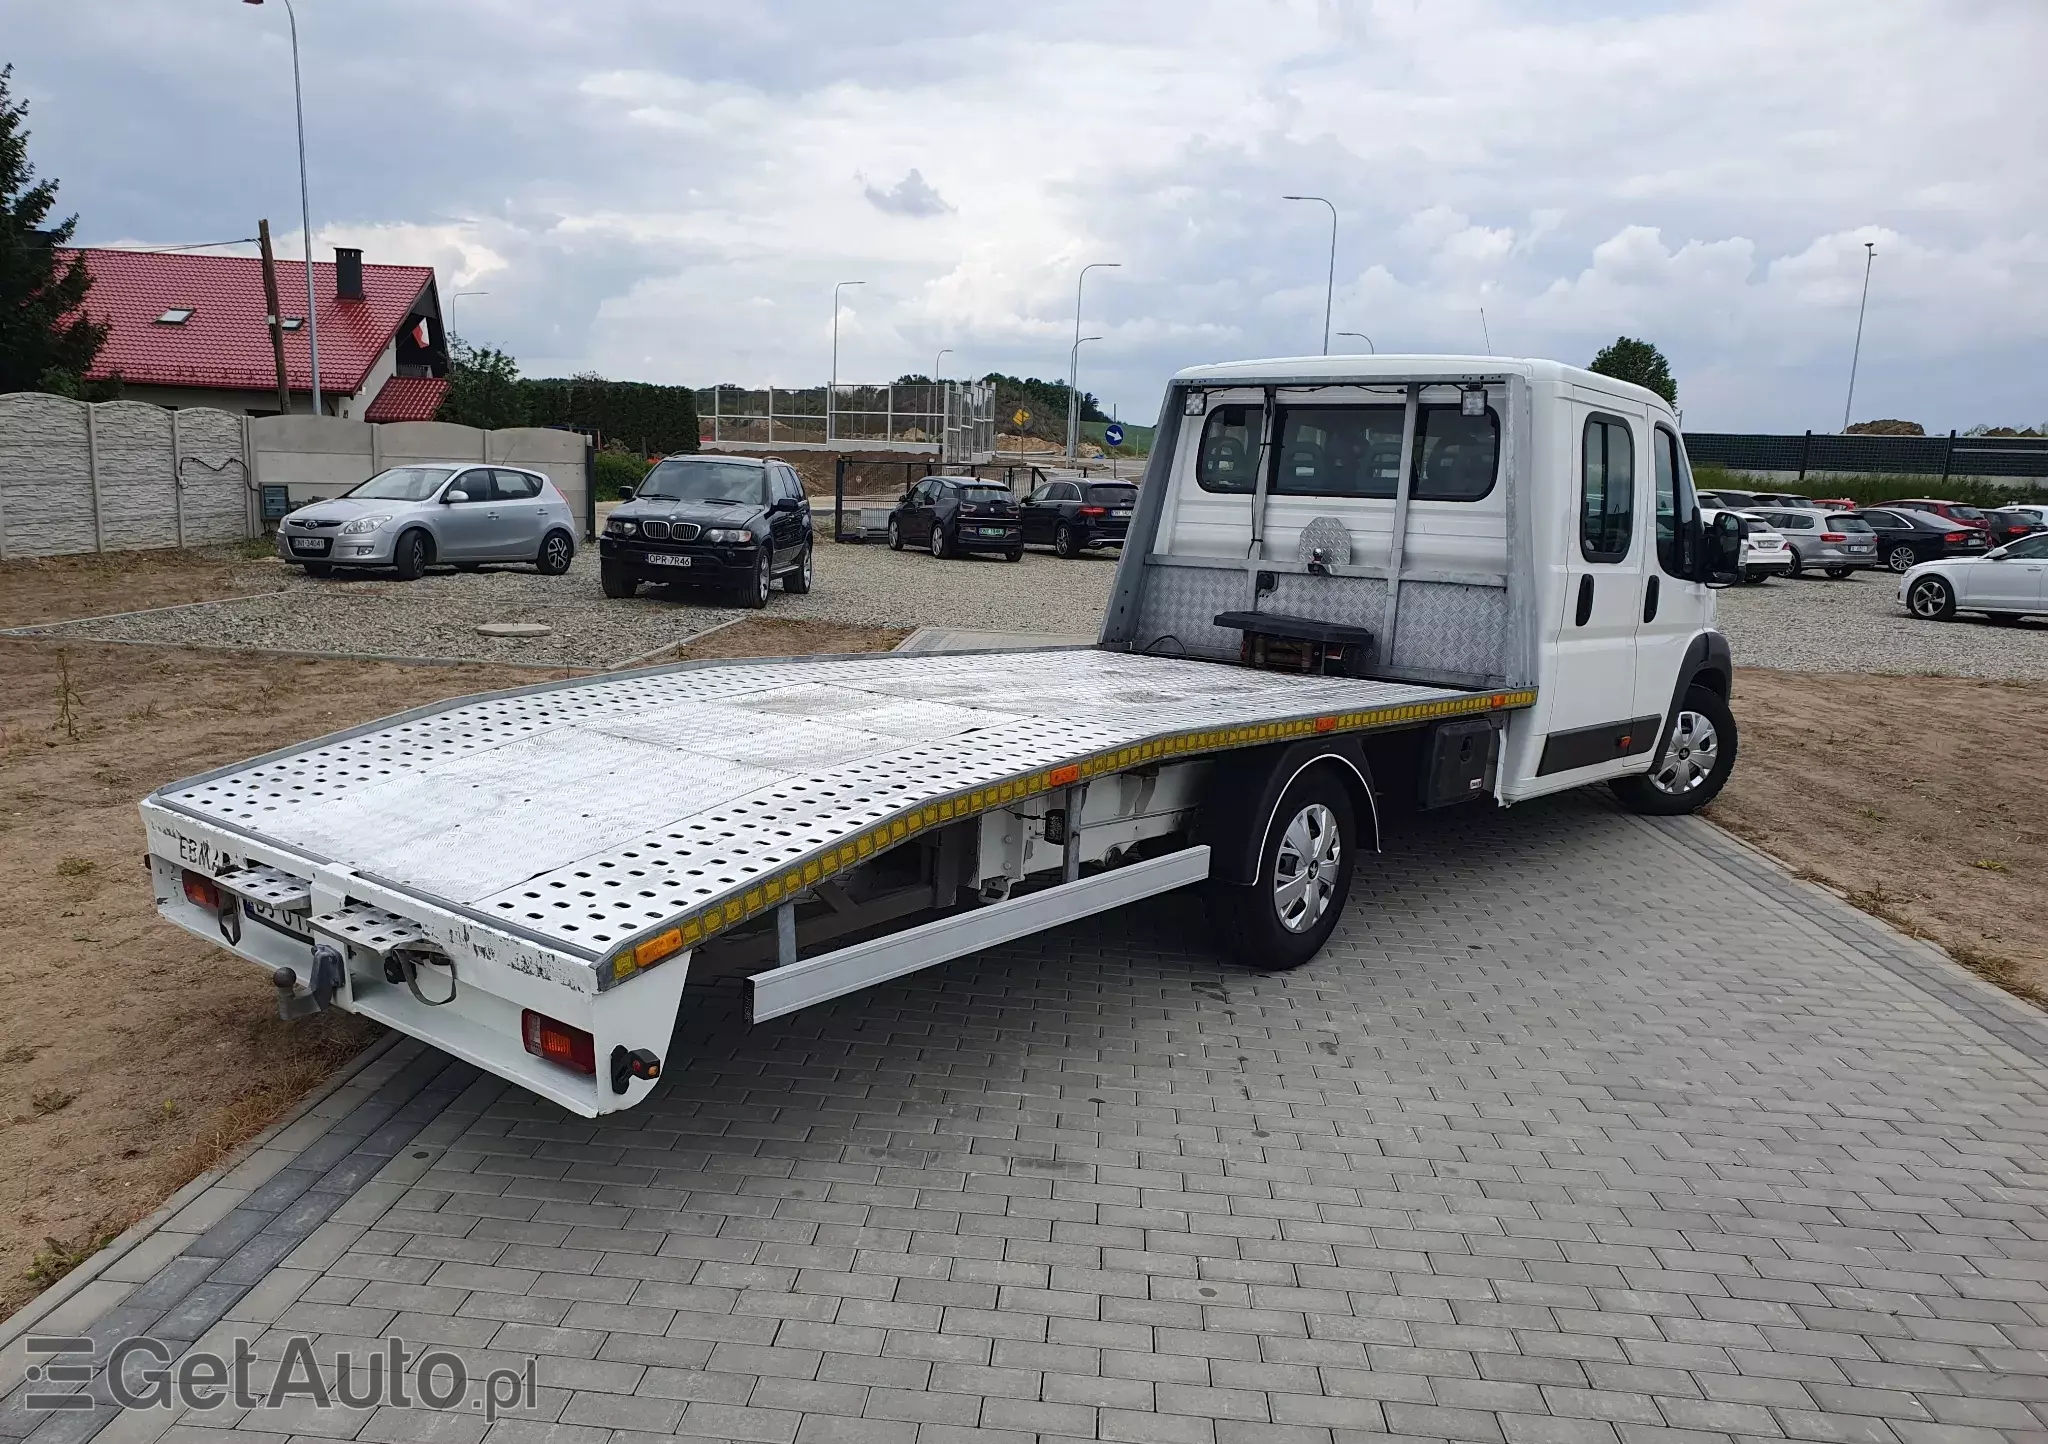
(583, 813)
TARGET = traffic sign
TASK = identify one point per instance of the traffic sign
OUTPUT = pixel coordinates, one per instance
(1113, 433)
(1020, 417)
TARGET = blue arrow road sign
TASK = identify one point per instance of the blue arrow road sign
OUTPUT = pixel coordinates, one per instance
(1113, 434)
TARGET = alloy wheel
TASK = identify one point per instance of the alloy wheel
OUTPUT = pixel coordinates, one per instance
(1902, 559)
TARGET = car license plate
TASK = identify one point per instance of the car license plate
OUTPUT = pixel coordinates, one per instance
(667, 559)
(288, 923)
(1122, 511)
(1862, 546)
(995, 531)
(312, 546)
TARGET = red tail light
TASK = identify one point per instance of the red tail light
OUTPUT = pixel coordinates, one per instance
(558, 1042)
(1956, 536)
(1834, 536)
(200, 891)
(1095, 511)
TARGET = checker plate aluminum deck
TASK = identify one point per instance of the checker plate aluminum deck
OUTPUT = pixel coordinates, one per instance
(588, 815)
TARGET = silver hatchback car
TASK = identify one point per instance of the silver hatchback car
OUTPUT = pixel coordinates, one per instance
(411, 517)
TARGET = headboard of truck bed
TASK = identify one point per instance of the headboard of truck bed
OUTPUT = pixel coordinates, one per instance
(1441, 579)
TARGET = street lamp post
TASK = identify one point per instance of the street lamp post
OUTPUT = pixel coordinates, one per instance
(1073, 380)
(937, 359)
(1073, 415)
(305, 207)
(457, 296)
(1329, 285)
(1869, 255)
(832, 390)
(1363, 337)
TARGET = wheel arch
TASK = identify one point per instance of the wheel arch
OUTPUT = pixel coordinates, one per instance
(1242, 801)
(1710, 663)
(433, 542)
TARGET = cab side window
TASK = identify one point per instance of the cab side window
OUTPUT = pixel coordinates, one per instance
(1675, 505)
(1607, 489)
(475, 485)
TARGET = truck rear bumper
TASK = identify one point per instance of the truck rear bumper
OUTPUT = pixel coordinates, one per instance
(479, 983)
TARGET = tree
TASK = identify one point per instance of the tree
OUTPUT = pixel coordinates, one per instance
(483, 388)
(1628, 359)
(47, 342)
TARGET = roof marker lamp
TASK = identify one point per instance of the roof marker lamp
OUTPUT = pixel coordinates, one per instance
(1472, 401)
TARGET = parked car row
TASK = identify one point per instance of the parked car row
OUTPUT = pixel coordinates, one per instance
(958, 515)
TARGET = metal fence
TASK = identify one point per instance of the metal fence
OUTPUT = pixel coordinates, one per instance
(2017, 457)
(953, 419)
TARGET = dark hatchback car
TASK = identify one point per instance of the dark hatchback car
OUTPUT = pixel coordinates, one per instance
(1076, 515)
(1907, 538)
(951, 515)
(715, 521)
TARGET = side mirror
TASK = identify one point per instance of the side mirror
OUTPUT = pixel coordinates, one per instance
(786, 503)
(1722, 553)
(1996, 554)
(627, 490)
(453, 496)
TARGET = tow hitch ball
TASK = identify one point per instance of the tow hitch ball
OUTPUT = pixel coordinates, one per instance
(328, 977)
(640, 1063)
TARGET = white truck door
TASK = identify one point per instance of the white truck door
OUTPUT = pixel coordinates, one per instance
(1674, 610)
(1593, 701)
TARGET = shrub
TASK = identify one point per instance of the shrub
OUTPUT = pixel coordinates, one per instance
(617, 470)
(657, 419)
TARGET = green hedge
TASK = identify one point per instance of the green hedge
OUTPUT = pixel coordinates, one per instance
(617, 470)
(1875, 490)
(656, 420)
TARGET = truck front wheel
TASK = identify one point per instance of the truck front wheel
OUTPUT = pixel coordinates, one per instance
(1283, 918)
(1694, 765)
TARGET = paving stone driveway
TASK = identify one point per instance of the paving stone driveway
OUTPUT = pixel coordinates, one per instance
(1584, 1128)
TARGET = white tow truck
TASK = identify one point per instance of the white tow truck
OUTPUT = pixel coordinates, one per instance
(1351, 583)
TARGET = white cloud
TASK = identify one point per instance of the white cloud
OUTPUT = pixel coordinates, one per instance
(911, 196)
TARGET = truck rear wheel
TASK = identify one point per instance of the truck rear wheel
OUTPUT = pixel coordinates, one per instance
(1694, 766)
(1283, 918)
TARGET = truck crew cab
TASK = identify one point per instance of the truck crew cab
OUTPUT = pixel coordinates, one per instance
(1350, 583)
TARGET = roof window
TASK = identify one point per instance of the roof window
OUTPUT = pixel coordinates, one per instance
(176, 316)
(291, 323)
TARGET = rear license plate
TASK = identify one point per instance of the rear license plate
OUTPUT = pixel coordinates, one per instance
(290, 924)
(1862, 546)
(666, 559)
(1121, 512)
(995, 531)
(312, 546)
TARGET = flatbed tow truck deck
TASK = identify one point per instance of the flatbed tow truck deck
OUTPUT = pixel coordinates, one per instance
(545, 839)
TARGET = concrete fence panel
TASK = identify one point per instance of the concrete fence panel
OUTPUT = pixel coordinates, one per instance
(46, 490)
(313, 456)
(137, 491)
(216, 502)
(561, 455)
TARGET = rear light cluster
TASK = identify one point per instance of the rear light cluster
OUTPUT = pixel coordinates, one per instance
(201, 892)
(1834, 536)
(1957, 536)
(558, 1042)
(1095, 511)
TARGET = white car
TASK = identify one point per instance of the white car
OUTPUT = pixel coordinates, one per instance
(2007, 581)
(1764, 551)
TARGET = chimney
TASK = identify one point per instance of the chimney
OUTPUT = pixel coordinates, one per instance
(348, 273)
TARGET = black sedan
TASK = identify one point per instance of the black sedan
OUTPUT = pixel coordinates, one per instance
(1076, 515)
(716, 521)
(1907, 538)
(952, 515)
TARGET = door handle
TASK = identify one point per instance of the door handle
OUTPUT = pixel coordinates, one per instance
(1585, 611)
(1650, 601)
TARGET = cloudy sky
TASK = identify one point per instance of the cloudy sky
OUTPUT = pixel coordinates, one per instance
(666, 190)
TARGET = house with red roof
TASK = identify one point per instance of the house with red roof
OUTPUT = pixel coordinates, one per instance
(186, 329)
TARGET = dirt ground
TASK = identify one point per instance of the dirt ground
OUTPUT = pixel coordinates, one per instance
(52, 589)
(1909, 796)
(789, 637)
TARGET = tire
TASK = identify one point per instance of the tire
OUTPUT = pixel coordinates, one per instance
(1902, 559)
(1064, 543)
(895, 535)
(797, 580)
(941, 546)
(1932, 599)
(1014, 554)
(1798, 567)
(557, 550)
(318, 569)
(756, 593)
(409, 556)
(1835, 574)
(1284, 918)
(1677, 783)
(617, 582)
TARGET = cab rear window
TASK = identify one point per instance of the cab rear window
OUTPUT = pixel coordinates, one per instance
(1352, 451)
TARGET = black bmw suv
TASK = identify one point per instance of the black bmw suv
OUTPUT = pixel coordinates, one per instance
(718, 521)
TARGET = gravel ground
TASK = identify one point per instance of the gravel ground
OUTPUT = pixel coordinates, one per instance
(1857, 625)
(437, 616)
